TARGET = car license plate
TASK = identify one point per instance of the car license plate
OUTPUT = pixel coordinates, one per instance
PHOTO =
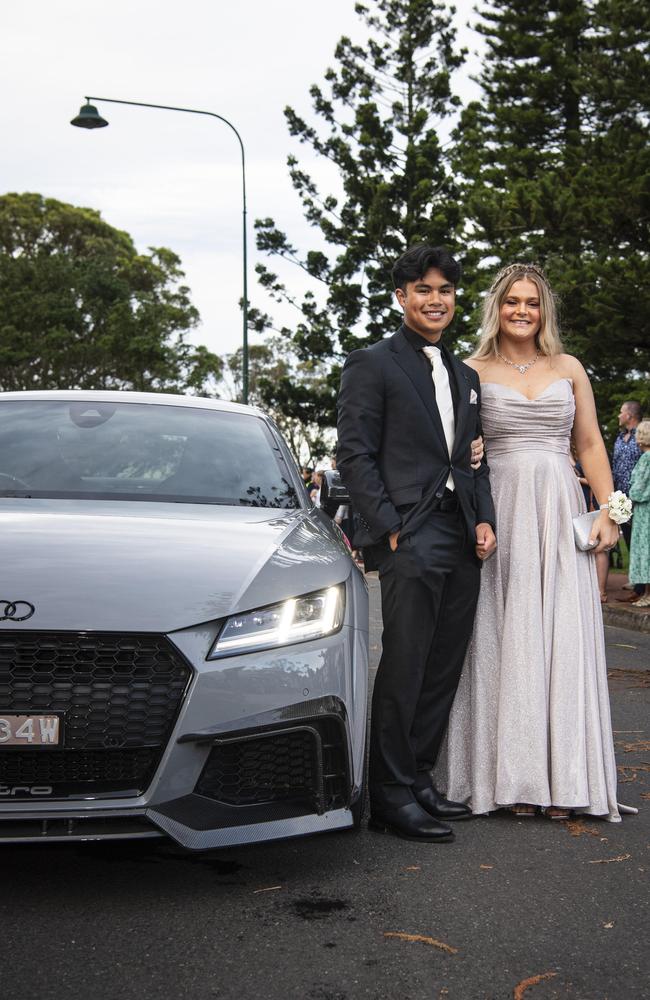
(30, 730)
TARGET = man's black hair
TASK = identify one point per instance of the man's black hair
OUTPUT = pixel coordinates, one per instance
(416, 261)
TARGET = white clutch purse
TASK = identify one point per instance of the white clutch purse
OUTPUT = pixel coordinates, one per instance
(582, 525)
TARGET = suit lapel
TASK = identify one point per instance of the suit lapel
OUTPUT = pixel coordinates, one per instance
(409, 362)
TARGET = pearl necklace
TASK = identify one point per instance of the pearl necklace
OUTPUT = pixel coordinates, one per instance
(513, 364)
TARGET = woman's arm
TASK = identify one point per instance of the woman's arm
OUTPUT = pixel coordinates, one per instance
(591, 452)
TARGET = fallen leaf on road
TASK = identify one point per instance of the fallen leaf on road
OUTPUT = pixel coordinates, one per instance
(635, 678)
(486, 867)
(521, 987)
(412, 868)
(423, 939)
(637, 746)
(269, 888)
(608, 861)
(609, 925)
(630, 771)
(577, 827)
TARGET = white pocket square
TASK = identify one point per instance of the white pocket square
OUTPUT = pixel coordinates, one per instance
(473, 398)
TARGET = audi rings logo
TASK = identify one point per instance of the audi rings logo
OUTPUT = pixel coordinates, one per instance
(16, 611)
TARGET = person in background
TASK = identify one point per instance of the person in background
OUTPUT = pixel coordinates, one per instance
(317, 482)
(640, 496)
(307, 478)
(626, 450)
(624, 457)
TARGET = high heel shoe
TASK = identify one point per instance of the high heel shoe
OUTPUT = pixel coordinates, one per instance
(523, 809)
(557, 812)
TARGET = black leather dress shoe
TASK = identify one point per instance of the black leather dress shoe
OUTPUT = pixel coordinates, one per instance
(438, 806)
(410, 822)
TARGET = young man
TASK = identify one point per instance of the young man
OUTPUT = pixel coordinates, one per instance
(408, 411)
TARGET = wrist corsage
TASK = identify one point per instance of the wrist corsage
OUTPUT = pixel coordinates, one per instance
(618, 506)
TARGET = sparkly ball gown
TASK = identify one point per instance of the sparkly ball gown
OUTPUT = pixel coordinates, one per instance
(531, 719)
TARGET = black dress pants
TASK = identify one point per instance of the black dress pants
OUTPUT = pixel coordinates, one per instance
(429, 591)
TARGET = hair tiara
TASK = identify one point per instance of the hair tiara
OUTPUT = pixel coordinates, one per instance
(521, 269)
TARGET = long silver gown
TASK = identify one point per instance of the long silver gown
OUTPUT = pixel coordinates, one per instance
(531, 719)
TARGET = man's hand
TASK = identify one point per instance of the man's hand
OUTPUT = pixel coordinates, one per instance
(392, 540)
(477, 452)
(486, 542)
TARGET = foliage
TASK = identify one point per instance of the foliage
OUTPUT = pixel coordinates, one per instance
(79, 307)
(551, 164)
(284, 387)
(554, 166)
(380, 113)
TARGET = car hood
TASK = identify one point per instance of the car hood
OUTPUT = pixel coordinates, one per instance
(103, 565)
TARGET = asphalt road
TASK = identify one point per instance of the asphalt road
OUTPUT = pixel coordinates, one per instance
(528, 909)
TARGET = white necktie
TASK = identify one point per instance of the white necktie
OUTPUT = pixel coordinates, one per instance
(445, 403)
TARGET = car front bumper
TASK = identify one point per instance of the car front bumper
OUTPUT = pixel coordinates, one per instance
(262, 746)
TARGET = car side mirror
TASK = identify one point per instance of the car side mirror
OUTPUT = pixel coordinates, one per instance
(333, 492)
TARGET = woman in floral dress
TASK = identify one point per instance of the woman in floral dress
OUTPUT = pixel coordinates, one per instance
(640, 496)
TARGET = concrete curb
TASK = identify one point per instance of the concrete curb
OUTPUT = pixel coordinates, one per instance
(626, 617)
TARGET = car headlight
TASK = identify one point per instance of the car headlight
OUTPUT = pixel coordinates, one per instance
(295, 620)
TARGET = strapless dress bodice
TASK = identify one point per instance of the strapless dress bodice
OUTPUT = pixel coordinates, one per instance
(512, 422)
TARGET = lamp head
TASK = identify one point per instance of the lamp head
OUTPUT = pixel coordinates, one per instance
(89, 117)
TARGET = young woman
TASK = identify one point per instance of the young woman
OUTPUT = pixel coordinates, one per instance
(530, 726)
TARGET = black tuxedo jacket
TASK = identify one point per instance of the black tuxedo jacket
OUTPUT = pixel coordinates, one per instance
(391, 444)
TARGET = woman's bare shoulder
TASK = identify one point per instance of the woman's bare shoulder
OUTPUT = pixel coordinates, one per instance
(568, 366)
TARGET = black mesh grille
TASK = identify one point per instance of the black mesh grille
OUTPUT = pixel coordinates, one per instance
(104, 768)
(335, 763)
(307, 764)
(119, 694)
(267, 769)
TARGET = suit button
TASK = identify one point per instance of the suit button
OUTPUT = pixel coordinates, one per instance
(438, 496)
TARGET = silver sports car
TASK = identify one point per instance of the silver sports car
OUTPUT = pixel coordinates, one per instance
(183, 635)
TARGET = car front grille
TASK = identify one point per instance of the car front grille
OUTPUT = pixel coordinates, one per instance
(105, 770)
(119, 696)
(306, 764)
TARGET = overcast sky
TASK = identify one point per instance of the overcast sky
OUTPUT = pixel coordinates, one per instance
(171, 179)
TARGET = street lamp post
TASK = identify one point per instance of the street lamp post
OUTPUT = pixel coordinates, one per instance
(89, 117)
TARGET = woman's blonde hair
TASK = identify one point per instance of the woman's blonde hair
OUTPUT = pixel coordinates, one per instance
(548, 337)
(643, 433)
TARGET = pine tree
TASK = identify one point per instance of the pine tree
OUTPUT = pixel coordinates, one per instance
(381, 110)
(554, 166)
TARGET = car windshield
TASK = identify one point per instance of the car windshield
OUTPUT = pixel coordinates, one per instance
(140, 451)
